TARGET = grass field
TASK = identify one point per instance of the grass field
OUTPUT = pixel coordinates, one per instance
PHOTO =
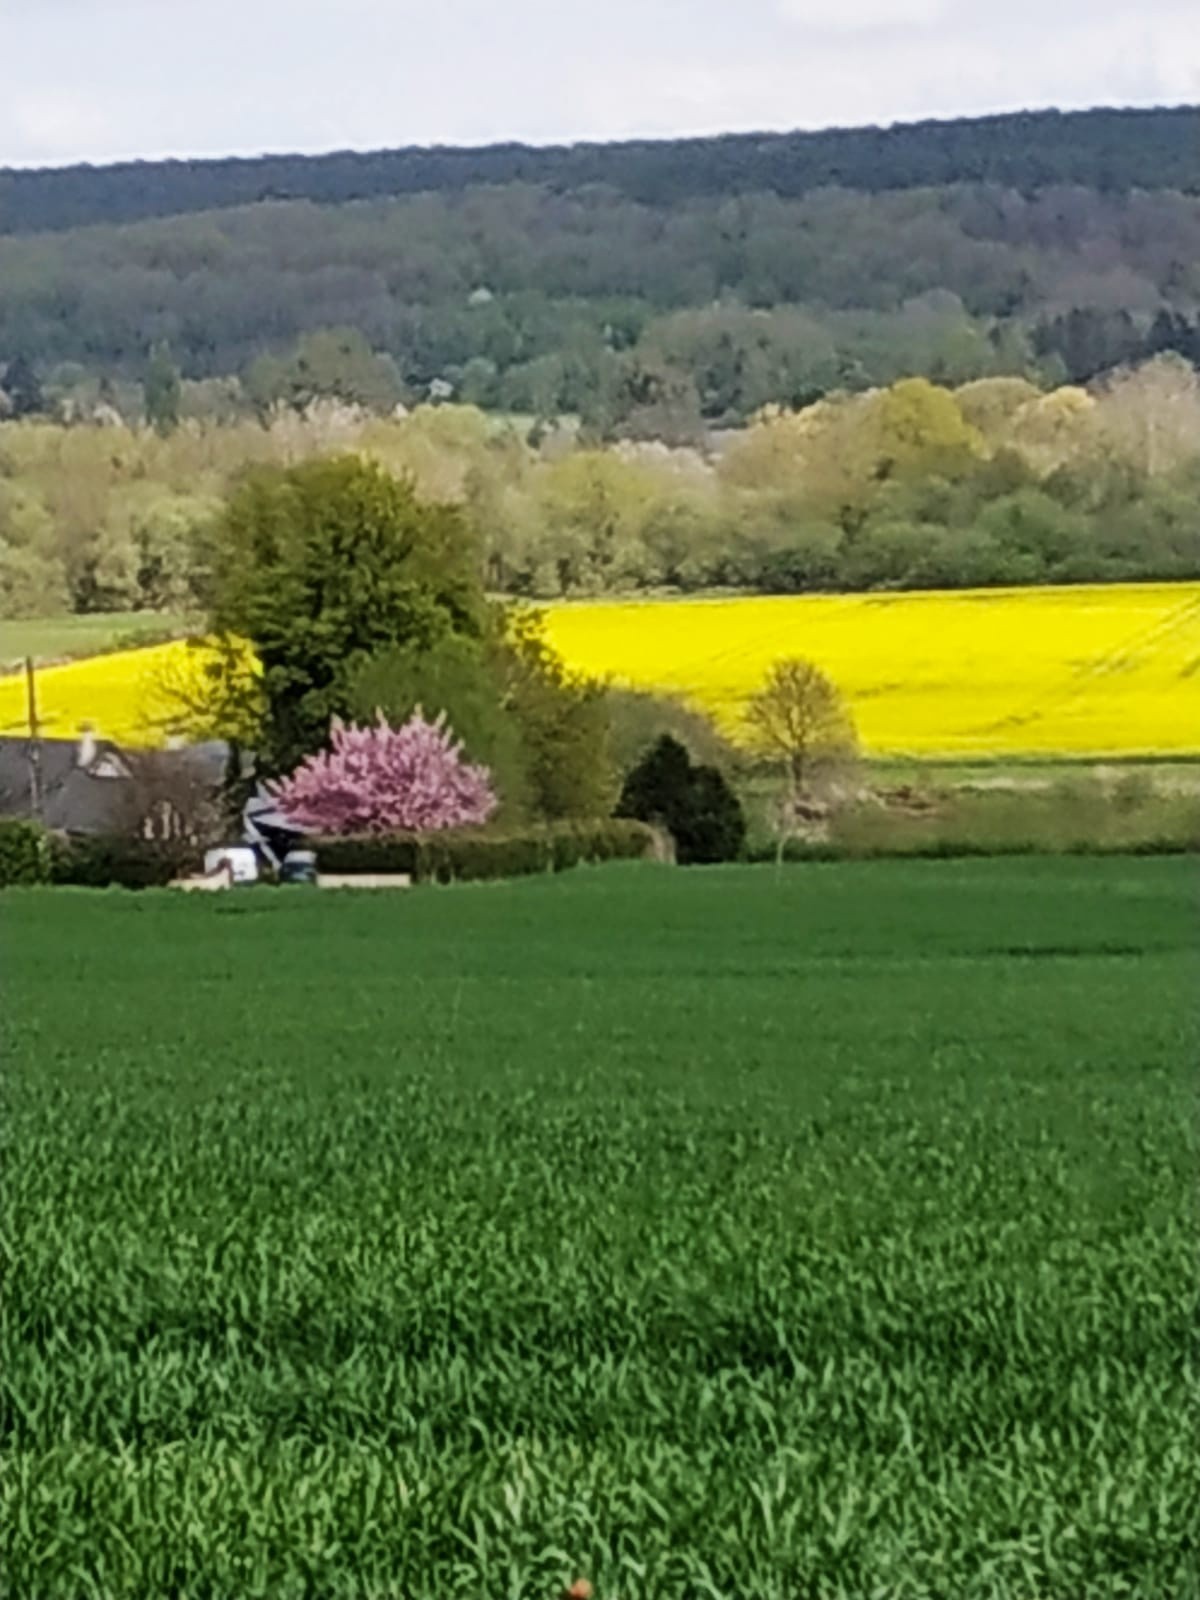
(829, 1233)
(56, 638)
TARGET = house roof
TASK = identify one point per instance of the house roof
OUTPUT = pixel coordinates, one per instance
(88, 795)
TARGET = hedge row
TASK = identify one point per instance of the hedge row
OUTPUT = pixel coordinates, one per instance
(462, 854)
(29, 855)
(24, 853)
(102, 862)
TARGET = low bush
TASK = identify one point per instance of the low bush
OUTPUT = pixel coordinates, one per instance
(30, 854)
(106, 861)
(24, 853)
(386, 854)
(459, 855)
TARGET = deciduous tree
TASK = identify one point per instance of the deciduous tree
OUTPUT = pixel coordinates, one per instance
(380, 779)
(323, 566)
(798, 718)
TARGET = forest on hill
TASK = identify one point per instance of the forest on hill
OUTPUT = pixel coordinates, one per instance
(651, 289)
(1110, 150)
(945, 355)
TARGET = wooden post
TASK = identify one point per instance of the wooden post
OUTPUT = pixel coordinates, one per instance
(35, 747)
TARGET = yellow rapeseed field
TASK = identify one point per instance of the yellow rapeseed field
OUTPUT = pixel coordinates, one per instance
(1096, 670)
(121, 695)
(1100, 670)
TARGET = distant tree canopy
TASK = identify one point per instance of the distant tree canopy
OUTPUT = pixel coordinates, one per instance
(650, 290)
(915, 485)
(1113, 150)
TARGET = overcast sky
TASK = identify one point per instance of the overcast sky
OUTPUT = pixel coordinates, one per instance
(100, 80)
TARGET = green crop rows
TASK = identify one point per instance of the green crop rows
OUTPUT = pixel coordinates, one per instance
(730, 1233)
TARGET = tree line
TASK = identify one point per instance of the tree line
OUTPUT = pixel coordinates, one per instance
(637, 317)
(1103, 149)
(910, 485)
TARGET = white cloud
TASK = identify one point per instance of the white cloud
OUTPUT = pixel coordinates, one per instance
(56, 122)
(99, 79)
(860, 16)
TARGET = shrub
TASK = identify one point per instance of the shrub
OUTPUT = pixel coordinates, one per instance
(694, 803)
(476, 855)
(101, 862)
(24, 853)
(466, 854)
(384, 853)
(1077, 817)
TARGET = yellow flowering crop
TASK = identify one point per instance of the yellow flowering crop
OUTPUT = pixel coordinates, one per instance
(132, 696)
(1096, 670)
(1099, 670)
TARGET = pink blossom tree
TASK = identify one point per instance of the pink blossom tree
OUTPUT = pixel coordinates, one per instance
(376, 780)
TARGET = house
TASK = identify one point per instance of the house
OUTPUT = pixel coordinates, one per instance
(91, 786)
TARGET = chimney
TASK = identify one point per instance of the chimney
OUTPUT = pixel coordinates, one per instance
(87, 745)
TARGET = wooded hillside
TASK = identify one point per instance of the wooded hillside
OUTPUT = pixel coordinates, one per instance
(1112, 150)
(650, 289)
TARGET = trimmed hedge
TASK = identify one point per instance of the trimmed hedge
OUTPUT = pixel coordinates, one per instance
(29, 854)
(102, 862)
(460, 855)
(24, 853)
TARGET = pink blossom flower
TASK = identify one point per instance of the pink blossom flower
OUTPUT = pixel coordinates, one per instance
(382, 779)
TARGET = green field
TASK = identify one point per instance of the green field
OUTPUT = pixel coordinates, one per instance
(62, 638)
(826, 1233)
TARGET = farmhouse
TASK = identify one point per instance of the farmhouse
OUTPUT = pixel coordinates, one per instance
(92, 786)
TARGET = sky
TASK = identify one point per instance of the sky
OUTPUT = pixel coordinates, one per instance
(103, 80)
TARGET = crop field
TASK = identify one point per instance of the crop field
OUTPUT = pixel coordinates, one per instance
(725, 1233)
(1090, 671)
(116, 693)
(1109, 670)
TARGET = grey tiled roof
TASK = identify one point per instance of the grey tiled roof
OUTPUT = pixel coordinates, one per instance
(78, 798)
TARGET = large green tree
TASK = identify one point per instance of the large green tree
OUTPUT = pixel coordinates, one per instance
(544, 733)
(565, 723)
(325, 565)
